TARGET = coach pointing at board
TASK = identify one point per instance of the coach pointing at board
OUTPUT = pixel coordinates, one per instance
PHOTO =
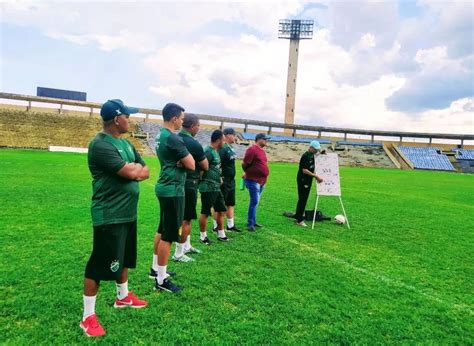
(304, 179)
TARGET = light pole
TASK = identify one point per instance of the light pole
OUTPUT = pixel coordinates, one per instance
(294, 30)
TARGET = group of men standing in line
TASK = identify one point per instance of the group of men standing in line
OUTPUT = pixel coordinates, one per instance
(117, 168)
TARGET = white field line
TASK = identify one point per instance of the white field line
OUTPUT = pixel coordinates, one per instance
(385, 279)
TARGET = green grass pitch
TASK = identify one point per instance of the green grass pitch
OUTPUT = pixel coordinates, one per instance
(404, 273)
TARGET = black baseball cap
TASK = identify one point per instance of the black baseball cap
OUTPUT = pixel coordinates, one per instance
(261, 136)
(114, 108)
(229, 131)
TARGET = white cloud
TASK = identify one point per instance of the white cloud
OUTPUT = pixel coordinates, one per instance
(124, 39)
(367, 41)
(364, 56)
(457, 118)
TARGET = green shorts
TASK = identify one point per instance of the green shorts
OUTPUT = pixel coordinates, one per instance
(210, 200)
(171, 218)
(114, 248)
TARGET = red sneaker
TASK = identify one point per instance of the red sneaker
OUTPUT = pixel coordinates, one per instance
(91, 326)
(131, 301)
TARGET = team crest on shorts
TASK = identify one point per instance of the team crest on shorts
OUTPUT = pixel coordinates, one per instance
(114, 266)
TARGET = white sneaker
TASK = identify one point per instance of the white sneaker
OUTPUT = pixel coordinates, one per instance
(192, 250)
(183, 259)
(302, 224)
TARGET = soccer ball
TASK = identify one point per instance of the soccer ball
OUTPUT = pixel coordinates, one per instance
(340, 219)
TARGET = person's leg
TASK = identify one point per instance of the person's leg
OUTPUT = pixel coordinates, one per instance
(162, 246)
(122, 285)
(230, 216)
(254, 196)
(220, 208)
(156, 243)
(300, 206)
(203, 225)
(260, 189)
(129, 256)
(206, 205)
(89, 322)
(214, 219)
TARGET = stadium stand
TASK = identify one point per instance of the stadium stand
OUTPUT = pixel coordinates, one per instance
(21, 129)
(464, 154)
(359, 144)
(427, 158)
(203, 137)
(275, 138)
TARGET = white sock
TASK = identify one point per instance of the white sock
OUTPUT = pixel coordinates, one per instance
(203, 235)
(161, 274)
(89, 306)
(179, 252)
(230, 222)
(187, 243)
(221, 234)
(122, 290)
(214, 222)
(154, 265)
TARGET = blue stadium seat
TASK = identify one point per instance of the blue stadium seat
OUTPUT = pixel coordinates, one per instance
(464, 154)
(427, 158)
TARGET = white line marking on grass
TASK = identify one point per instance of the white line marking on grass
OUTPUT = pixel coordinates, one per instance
(381, 277)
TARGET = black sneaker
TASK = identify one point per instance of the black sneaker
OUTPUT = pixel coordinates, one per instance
(258, 226)
(167, 286)
(154, 274)
(223, 238)
(234, 229)
(251, 229)
(214, 230)
(205, 241)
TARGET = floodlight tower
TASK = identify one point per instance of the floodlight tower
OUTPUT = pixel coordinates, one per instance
(294, 30)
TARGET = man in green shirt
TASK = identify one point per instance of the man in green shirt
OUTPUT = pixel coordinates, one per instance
(210, 188)
(174, 159)
(190, 129)
(228, 156)
(116, 169)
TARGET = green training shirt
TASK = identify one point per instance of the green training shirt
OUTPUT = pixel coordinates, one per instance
(170, 149)
(196, 150)
(211, 180)
(227, 155)
(114, 199)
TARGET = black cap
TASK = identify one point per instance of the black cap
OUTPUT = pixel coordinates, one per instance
(229, 131)
(113, 108)
(261, 136)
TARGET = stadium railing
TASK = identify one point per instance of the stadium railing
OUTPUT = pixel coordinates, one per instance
(276, 138)
(359, 144)
(319, 130)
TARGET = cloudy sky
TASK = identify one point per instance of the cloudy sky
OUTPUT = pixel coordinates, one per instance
(401, 65)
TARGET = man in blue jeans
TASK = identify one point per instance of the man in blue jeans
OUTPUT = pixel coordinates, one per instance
(255, 166)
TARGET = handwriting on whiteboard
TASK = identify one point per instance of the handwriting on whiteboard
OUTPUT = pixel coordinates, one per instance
(327, 167)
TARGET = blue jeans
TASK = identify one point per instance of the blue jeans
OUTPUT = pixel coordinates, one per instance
(255, 190)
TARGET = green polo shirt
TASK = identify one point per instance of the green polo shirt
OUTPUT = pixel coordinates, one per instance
(114, 199)
(170, 149)
(211, 179)
(196, 150)
(227, 155)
